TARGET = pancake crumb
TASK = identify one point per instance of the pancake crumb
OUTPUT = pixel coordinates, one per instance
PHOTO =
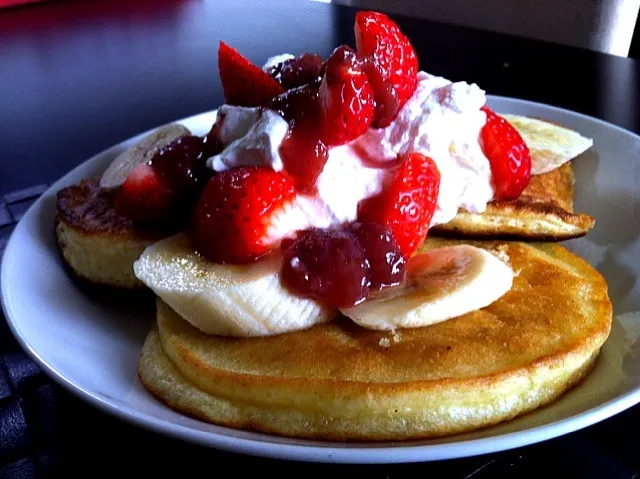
(502, 253)
(396, 337)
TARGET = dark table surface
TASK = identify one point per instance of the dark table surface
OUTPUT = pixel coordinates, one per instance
(77, 77)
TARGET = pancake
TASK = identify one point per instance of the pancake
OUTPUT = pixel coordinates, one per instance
(551, 144)
(337, 381)
(96, 243)
(544, 212)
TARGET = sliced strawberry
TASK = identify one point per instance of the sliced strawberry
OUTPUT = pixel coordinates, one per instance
(165, 187)
(244, 83)
(508, 156)
(392, 63)
(235, 212)
(346, 98)
(408, 204)
(145, 196)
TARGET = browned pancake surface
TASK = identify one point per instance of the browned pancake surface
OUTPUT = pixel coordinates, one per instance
(544, 212)
(88, 208)
(338, 380)
(97, 243)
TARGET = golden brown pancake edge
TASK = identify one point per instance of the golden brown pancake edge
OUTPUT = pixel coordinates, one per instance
(97, 244)
(544, 212)
(345, 395)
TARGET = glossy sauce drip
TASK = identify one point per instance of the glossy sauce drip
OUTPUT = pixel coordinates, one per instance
(341, 266)
(303, 153)
(182, 167)
(299, 71)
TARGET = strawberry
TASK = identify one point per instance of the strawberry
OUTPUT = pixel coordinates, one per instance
(391, 63)
(407, 205)
(244, 83)
(508, 156)
(145, 196)
(235, 212)
(346, 98)
(166, 186)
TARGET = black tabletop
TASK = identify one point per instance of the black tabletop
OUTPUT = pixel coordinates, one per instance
(77, 77)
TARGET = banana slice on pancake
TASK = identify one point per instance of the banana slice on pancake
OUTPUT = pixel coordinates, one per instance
(225, 300)
(141, 152)
(441, 284)
(249, 300)
(551, 145)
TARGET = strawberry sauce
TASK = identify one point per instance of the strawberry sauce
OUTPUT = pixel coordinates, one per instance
(299, 71)
(341, 266)
(303, 153)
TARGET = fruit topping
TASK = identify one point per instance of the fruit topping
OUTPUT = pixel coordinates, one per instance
(243, 83)
(167, 185)
(222, 300)
(211, 142)
(304, 157)
(299, 71)
(407, 205)
(303, 153)
(340, 266)
(181, 166)
(508, 156)
(340, 110)
(328, 265)
(441, 284)
(144, 196)
(346, 98)
(386, 262)
(140, 153)
(236, 211)
(391, 63)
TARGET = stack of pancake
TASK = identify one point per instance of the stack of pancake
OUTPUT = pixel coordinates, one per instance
(338, 381)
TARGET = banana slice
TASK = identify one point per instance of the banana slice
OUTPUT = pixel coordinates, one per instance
(551, 145)
(224, 299)
(140, 153)
(441, 284)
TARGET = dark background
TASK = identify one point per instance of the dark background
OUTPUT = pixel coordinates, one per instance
(78, 76)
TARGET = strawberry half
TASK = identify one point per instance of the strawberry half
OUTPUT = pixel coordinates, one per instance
(145, 196)
(243, 83)
(346, 98)
(391, 63)
(508, 156)
(408, 204)
(235, 212)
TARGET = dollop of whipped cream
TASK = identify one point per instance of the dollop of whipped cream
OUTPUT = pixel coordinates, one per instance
(441, 120)
(251, 137)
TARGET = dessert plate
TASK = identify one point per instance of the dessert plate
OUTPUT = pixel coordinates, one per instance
(90, 345)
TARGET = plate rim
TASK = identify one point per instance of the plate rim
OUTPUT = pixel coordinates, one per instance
(319, 451)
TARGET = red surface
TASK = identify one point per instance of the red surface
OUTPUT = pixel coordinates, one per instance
(14, 3)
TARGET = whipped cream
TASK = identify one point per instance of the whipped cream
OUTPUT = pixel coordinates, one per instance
(441, 120)
(251, 137)
(276, 60)
(344, 181)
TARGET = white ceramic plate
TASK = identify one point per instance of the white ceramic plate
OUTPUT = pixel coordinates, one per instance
(91, 347)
